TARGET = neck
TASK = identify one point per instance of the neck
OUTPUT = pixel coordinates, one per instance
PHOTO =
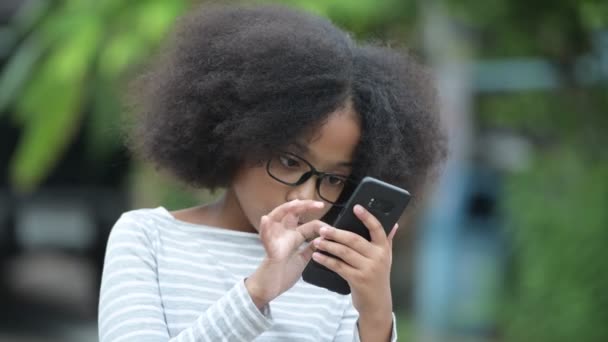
(225, 212)
(228, 213)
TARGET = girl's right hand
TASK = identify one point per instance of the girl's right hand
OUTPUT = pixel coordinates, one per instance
(287, 254)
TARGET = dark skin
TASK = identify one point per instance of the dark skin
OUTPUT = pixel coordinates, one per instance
(288, 217)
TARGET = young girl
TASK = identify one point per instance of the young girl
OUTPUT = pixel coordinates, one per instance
(285, 112)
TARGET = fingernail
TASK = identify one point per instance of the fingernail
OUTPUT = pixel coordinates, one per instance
(319, 204)
(324, 230)
(358, 209)
(316, 242)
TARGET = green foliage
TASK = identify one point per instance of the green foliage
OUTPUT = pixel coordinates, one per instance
(152, 188)
(405, 327)
(572, 116)
(560, 30)
(67, 72)
(559, 218)
(387, 20)
(557, 210)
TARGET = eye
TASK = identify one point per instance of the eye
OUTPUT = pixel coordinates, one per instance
(335, 180)
(289, 162)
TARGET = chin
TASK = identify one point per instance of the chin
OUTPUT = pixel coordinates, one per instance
(255, 227)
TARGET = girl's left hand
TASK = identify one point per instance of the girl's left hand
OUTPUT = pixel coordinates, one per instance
(365, 265)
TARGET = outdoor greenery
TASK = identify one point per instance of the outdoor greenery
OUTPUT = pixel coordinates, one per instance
(557, 207)
(66, 71)
(559, 213)
(71, 59)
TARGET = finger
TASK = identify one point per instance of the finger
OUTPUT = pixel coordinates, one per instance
(348, 255)
(350, 239)
(295, 207)
(391, 235)
(306, 253)
(376, 232)
(343, 269)
(310, 229)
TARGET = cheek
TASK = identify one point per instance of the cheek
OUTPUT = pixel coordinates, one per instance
(257, 193)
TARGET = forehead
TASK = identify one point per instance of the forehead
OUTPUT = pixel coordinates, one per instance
(335, 140)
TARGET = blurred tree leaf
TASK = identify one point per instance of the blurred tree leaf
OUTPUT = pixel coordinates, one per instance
(367, 19)
(594, 14)
(52, 105)
(69, 69)
(558, 206)
(18, 71)
(15, 75)
(560, 220)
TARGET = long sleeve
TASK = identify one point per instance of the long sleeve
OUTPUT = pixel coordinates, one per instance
(130, 306)
(348, 331)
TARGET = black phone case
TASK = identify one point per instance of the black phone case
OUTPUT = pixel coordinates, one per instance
(385, 201)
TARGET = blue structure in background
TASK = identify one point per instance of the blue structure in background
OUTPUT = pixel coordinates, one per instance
(461, 256)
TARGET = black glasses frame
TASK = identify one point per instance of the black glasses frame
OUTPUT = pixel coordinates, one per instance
(306, 176)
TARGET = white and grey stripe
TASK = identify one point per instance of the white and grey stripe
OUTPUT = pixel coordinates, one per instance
(167, 280)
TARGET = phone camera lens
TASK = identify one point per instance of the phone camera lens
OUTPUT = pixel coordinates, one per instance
(382, 206)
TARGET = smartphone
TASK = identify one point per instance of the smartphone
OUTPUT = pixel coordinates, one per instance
(385, 201)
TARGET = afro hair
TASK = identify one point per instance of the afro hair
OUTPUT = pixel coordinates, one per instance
(237, 83)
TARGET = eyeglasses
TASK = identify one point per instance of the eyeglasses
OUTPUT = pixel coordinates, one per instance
(293, 170)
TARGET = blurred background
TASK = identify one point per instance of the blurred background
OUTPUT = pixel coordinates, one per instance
(509, 245)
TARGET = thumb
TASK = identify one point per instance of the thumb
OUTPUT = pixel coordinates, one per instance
(306, 252)
(391, 235)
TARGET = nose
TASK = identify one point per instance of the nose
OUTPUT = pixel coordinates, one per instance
(304, 191)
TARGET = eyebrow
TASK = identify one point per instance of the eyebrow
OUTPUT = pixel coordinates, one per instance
(305, 150)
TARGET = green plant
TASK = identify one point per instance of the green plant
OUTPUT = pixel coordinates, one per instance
(558, 209)
(65, 74)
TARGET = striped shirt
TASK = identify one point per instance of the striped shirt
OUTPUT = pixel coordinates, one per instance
(168, 280)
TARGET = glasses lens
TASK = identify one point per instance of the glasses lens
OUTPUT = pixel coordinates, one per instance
(287, 168)
(331, 187)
